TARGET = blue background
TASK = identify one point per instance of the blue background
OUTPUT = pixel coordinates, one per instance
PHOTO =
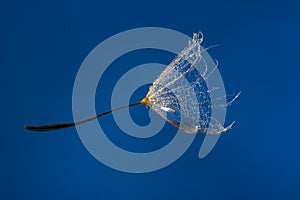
(42, 45)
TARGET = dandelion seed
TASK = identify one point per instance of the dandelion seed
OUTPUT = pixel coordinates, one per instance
(179, 95)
